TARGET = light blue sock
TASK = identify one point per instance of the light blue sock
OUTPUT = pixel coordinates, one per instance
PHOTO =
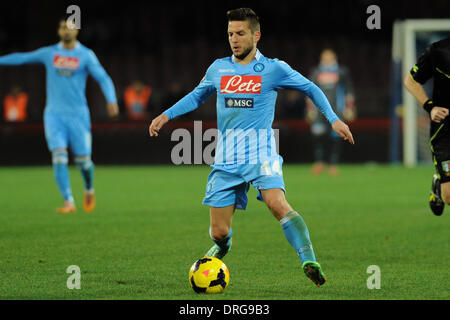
(60, 160)
(297, 234)
(225, 243)
(86, 167)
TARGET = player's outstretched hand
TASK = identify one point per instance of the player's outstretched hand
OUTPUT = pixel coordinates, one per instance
(113, 109)
(157, 124)
(438, 114)
(343, 131)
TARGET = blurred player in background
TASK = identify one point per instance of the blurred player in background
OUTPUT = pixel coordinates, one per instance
(434, 64)
(334, 80)
(246, 85)
(66, 115)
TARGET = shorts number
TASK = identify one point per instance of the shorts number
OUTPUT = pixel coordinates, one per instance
(271, 170)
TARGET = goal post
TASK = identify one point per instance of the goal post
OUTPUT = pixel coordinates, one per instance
(404, 55)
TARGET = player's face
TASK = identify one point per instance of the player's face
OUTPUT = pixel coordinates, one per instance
(242, 40)
(328, 57)
(65, 33)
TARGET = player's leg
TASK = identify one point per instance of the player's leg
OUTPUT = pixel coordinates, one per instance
(57, 139)
(441, 158)
(435, 200)
(81, 144)
(294, 226)
(335, 153)
(225, 192)
(60, 160)
(220, 230)
(319, 141)
(445, 192)
(86, 167)
(295, 231)
(270, 185)
(440, 187)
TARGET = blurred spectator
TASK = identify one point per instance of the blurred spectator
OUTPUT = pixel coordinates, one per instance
(136, 97)
(334, 80)
(15, 105)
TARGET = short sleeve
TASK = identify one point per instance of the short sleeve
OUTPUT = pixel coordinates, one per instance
(423, 69)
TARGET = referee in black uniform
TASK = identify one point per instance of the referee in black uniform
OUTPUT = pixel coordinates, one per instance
(435, 63)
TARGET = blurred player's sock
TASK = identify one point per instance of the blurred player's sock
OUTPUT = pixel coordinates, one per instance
(297, 234)
(60, 160)
(221, 247)
(86, 167)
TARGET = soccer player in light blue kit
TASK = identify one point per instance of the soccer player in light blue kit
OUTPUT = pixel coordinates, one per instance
(66, 115)
(246, 85)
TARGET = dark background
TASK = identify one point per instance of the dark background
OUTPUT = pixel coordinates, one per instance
(169, 45)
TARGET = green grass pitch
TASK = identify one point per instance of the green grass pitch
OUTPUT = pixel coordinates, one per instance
(150, 226)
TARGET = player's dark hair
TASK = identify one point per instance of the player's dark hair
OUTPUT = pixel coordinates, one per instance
(329, 49)
(61, 19)
(245, 14)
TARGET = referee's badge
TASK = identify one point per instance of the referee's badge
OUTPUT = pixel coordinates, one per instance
(446, 167)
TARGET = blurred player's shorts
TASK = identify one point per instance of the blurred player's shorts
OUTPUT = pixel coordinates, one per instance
(229, 184)
(318, 128)
(68, 131)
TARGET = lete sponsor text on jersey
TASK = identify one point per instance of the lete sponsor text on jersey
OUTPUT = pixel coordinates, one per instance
(240, 84)
(328, 77)
(66, 62)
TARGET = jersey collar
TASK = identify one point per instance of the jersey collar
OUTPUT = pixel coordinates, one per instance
(60, 45)
(257, 56)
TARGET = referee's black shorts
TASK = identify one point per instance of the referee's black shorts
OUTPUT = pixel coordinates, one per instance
(440, 147)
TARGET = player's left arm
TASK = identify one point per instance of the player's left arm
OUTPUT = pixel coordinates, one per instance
(289, 78)
(311, 111)
(96, 70)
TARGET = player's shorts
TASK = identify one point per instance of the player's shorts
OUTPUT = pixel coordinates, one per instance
(440, 147)
(229, 184)
(66, 131)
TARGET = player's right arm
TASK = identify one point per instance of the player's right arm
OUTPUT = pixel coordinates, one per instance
(19, 58)
(311, 111)
(419, 74)
(188, 103)
(104, 80)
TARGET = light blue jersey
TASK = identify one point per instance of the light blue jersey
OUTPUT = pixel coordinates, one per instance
(66, 75)
(246, 151)
(66, 114)
(246, 97)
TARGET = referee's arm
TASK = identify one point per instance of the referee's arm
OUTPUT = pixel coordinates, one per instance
(437, 114)
(416, 89)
